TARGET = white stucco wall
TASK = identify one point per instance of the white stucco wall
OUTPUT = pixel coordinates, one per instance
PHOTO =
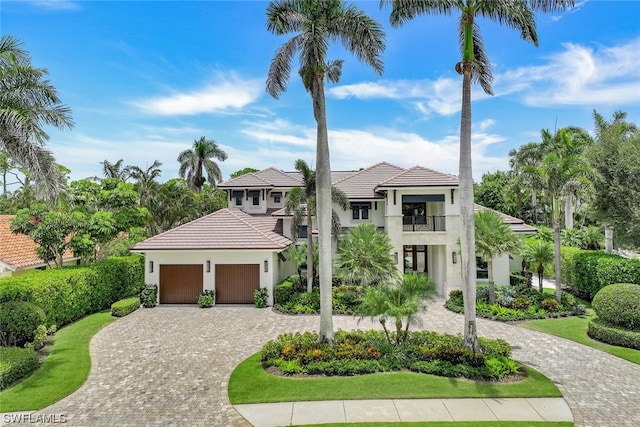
(276, 268)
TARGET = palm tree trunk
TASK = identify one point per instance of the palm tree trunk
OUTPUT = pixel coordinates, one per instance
(467, 236)
(309, 250)
(540, 274)
(608, 239)
(323, 211)
(568, 212)
(556, 241)
(492, 285)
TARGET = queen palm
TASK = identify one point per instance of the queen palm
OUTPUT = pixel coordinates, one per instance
(301, 202)
(474, 66)
(27, 104)
(316, 24)
(198, 161)
(115, 170)
(146, 180)
(493, 238)
(539, 253)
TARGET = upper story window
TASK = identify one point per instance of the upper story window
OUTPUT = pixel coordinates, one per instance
(302, 234)
(360, 210)
(237, 195)
(277, 197)
(255, 197)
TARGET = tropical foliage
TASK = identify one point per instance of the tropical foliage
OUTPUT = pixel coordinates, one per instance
(199, 162)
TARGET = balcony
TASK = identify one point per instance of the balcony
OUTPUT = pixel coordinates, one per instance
(422, 223)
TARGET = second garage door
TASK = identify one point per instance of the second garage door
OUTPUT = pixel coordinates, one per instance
(180, 283)
(235, 283)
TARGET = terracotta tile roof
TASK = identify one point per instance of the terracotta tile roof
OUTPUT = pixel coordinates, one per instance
(223, 229)
(247, 180)
(362, 184)
(18, 251)
(419, 176)
(266, 178)
(516, 224)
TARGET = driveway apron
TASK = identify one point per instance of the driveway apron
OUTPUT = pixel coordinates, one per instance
(170, 366)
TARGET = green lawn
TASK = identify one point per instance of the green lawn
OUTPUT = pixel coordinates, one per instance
(575, 329)
(249, 383)
(64, 370)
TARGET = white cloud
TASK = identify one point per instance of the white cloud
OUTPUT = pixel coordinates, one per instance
(56, 4)
(226, 94)
(579, 75)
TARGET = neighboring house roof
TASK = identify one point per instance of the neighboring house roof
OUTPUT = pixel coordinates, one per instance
(18, 251)
(362, 184)
(266, 178)
(516, 224)
(223, 229)
(419, 176)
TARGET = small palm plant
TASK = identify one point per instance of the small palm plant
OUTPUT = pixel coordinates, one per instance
(400, 300)
(540, 253)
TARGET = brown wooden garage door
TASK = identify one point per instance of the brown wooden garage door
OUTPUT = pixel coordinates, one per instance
(180, 284)
(235, 283)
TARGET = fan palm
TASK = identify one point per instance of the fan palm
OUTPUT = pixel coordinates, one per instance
(198, 161)
(493, 238)
(316, 24)
(27, 104)
(474, 67)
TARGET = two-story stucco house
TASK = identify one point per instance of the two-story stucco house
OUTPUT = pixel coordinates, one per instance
(243, 247)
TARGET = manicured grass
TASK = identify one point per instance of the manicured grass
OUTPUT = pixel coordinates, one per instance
(64, 370)
(456, 424)
(249, 383)
(575, 329)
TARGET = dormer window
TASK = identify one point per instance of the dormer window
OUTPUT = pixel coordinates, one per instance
(360, 210)
(277, 197)
(255, 197)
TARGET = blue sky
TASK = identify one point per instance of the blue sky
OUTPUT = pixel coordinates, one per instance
(145, 79)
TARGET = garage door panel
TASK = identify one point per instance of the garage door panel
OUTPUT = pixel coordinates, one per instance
(180, 283)
(235, 283)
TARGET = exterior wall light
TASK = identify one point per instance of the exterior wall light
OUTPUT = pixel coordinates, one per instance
(208, 266)
(266, 266)
(150, 266)
(454, 257)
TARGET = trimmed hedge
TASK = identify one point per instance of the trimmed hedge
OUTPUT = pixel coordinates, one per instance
(586, 272)
(601, 331)
(19, 321)
(125, 306)
(15, 364)
(69, 293)
(619, 305)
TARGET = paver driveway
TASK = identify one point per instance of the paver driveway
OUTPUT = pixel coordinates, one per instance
(170, 366)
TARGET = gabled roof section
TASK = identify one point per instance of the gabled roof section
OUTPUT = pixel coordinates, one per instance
(266, 178)
(515, 224)
(419, 176)
(247, 180)
(362, 184)
(18, 251)
(223, 229)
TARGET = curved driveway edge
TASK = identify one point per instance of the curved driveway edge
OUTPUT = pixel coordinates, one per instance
(170, 366)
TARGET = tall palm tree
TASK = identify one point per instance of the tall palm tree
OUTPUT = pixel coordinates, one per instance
(316, 24)
(563, 169)
(302, 204)
(474, 66)
(115, 170)
(28, 102)
(521, 161)
(146, 180)
(540, 253)
(493, 238)
(194, 163)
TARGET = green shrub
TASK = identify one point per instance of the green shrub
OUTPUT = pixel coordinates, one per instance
(567, 265)
(207, 298)
(283, 292)
(69, 293)
(260, 297)
(593, 270)
(601, 331)
(497, 367)
(125, 306)
(15, 364)
(19, 321)
(149, 296)
(517, 279)
(619, 305)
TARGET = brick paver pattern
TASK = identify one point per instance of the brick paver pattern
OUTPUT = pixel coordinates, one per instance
(170, 366)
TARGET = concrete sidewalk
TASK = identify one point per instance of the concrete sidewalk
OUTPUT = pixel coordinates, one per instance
(405, 410)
